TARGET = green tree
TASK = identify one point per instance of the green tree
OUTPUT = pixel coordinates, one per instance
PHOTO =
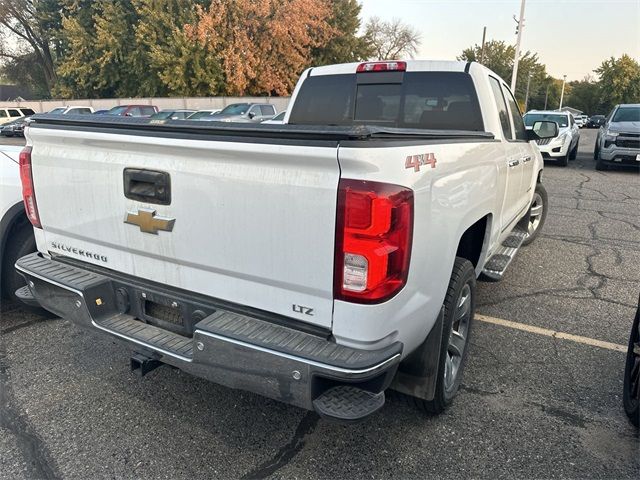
(498, 56)
(584, 95)
(619, 82)
(346, 45)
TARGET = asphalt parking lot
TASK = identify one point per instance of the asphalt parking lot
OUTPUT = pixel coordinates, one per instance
(533, 404)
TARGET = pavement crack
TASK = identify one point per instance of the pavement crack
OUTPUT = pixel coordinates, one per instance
(34, 451)
(286, 453)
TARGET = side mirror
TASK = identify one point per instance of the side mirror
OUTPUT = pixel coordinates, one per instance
(128, 114)
(543, 129)
(252, 115)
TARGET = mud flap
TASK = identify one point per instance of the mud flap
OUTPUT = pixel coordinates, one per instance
(418, 373)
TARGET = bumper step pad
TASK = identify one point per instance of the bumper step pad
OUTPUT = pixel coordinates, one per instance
(346, 403)
(497, 265)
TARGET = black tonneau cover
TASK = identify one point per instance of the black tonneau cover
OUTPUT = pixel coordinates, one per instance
(145, 126)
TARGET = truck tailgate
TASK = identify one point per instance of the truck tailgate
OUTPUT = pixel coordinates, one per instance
(253, 220)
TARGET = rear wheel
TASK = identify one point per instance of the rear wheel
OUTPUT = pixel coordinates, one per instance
(459, 308)
(537, 213)
(21, 242)
(574, 153)
(600, 165)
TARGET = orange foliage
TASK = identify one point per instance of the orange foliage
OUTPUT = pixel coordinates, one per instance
(262, 45)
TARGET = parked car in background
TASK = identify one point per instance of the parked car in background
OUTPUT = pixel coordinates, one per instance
(8, 114)
(133, 111)
(201, 114)
(562, 148)
(596, 121)
(618, 141)
(278, 119)
(15, 128)
(172, 114)
(101, 112)
(578, 120)
(72, 110)
(583, 120)
(245, 112)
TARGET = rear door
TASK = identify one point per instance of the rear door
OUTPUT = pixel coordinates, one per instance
(253, 222)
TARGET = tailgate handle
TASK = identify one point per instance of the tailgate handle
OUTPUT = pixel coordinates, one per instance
(148, 186)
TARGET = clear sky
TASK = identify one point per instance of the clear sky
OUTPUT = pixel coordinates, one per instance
(571, 37)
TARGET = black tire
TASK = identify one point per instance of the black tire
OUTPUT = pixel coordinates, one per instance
(463, 275)
(21, 242)
(574, 153)
(596, 152)
(536, 223)
(563, 161)
(631, 389)
(600, 165)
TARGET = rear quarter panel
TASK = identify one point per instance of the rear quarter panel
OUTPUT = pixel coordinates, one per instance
(461, 189)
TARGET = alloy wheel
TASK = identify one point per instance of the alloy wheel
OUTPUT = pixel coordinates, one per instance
(457, 337)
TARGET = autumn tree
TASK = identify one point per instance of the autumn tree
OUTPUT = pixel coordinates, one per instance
(262, 45)
(391, 39)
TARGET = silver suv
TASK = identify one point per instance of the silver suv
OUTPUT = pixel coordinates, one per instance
(244, 112)
(618, 141)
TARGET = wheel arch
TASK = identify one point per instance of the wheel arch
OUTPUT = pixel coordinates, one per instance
(14, 217)
(474, 241)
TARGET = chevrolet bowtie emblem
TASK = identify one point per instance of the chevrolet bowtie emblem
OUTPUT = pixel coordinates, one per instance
(148, 221)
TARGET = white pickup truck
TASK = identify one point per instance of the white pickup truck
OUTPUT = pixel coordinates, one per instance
(318, 262)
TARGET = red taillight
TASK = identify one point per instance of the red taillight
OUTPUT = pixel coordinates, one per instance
(382, 67)
(373, 240)
(28, 192)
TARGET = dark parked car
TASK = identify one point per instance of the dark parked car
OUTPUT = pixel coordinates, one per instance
(631, 391)
(15, 128)
(596, 121)
(133, 110)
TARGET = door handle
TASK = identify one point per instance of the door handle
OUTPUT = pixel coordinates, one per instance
(514, 163)
(526, 158)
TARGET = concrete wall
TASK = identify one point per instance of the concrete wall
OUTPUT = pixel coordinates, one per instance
(195, 103)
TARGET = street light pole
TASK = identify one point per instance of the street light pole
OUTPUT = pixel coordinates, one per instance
(564, 80)
(514, 74)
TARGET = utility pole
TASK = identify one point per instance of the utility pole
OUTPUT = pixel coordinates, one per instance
(564, 80)
(484, 36)
(516, 59)
(526, 97)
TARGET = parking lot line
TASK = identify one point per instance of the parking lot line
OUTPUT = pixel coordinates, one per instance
(552, 333)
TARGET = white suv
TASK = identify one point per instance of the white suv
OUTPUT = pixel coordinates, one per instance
(562, 148)
(8, 114)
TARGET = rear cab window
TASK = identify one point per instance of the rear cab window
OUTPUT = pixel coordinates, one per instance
(417, 100)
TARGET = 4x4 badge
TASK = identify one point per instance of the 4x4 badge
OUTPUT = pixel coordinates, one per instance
(415, 161)
(148, 221)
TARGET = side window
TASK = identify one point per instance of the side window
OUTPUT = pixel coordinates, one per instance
(27, 111)
(572, 121)
(85, 111)
(14, 113)
(516, 116)
(148, 110)
(502, 108)
(135, 112)
(255, 110)
(268, 110)
(3, 114)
